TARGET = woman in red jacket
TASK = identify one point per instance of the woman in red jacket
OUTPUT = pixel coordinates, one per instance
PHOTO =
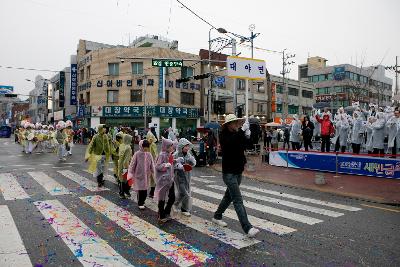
(327, 131)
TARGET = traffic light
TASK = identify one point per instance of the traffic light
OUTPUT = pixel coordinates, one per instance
(182, 80)
(10, 95)
(219, 107)
(201, 76)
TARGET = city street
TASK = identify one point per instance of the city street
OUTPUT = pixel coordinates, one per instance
(52, 213)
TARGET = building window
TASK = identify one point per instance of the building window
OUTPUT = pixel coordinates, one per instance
(137, 67)
(293, 91)
(139, 82)
(113, 69)
(112, 96)
(187, 72)
(279, 89)
(321, 78)
(315, 78)
(307, 94)
(87, 98)
(187, 98)
(306, 110)
(260, 108)
(88, 73)
(150, 82)
(81, 75)
(166, 96)
(279, 108)
(303, 72)
(136, 95)
(293, 109)
(240, 84)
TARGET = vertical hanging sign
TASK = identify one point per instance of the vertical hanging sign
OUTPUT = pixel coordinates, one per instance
(61, 90)
(74, 81)
(161, 83)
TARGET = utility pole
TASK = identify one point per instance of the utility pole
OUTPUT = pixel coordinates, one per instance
(285, 105)
(233, 40)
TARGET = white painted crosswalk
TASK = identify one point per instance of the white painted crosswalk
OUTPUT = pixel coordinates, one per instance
(91, 249)
(86, 245)
(12, 249)
(82, 181)
(10, 188)
(166, 244)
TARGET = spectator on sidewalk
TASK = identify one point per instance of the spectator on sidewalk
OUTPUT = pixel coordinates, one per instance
(233, 145)
(274, 139)
(267, 137)
(286, 138)
(327, 131)
(307, 128)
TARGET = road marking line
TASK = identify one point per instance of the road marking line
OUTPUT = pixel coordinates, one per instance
(18, 165)
(257, 222)
(304, 199)
(12, 249)
(267, 209)
(164, 243)
(87, 246)
(82, 181)
(375, 207)
(51, 186)
(284, 203)
(46, 164)
(225, 235)
(61, 167)
(207, 176)
(10, 188)
(194, 178)
(69, 163)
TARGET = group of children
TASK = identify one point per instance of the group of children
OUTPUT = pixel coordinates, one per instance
(166, 176)
(40, 138)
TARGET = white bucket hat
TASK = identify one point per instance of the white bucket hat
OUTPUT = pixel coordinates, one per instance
(230, 118)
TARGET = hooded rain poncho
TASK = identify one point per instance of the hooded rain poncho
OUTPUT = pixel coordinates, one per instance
(164, 174)
(141, 168)
(124, 156)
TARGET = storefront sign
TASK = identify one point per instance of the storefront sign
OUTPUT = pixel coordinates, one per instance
(161, 85)
(348, 164)
(273, 97)
(61, 90)
(74, 84)
(245, 68)
(155, 111)
(339, 73)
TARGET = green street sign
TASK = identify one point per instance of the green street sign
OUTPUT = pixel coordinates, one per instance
(168, 63)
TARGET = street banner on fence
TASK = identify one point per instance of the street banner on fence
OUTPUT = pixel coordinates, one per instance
(347, 164)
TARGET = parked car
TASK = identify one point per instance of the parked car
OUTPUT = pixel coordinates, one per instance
(5, 131)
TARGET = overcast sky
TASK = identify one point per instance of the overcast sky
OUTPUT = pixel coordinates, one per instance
(42, 34)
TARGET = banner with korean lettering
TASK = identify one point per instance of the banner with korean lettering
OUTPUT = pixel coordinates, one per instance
(74, 84)
(347, 164)
(245, 68)
(157, 111)
(61, 90)
(273, 97)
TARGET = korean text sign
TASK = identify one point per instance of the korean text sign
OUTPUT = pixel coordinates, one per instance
(245, 68)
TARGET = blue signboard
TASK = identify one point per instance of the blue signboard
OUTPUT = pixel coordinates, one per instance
(74, 84)
(6, 89)
(61, 90)
(348, 164)
(160, 82)
(157, 111)
(81, 111)
(219, 80)
(339, 73)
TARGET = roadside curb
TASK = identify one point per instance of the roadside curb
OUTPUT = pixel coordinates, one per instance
(316, 188)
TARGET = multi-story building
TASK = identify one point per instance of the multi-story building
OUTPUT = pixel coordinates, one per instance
(116, 85)
(154, 41)
(343, 84)
(38, 101)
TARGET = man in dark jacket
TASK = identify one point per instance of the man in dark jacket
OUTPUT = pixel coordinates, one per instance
(233, 144)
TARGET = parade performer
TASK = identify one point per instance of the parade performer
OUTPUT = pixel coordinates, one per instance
(171, 134)
(295, 132)
(124, 158)
(98, 153)
(51, 139)
(378, 134)
(154, 153)
(39, 137)
(393, 128)
(165, 180)
(22, 137)
(141, 169)
(59, 140)
(115, 153)
(184, 162)
(30, 136)
(357, 132)
(69, 133)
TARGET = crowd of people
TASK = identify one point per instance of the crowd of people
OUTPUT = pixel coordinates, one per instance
(376, 131)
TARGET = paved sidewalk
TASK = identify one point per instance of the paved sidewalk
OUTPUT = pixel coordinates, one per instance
(379, 190)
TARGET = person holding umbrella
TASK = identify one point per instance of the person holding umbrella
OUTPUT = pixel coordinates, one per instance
(233, 144)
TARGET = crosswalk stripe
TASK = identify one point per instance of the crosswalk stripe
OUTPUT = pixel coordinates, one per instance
(10, 188)
(304, 199)
(166, 244)
(257, 222)
(264, 208)
(225, 235)
(12, 249)
(87, 246)
(284, 202)
(51, 186)
(194, 178)
(82, 181)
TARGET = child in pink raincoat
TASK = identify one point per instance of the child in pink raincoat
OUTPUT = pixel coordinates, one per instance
(141, 169)
(165, 180)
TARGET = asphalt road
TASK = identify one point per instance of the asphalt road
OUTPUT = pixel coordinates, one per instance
(51, 215)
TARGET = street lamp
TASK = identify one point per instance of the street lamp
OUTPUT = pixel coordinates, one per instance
(220, 30)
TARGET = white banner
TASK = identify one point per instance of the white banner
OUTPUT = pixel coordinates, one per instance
(245, 68)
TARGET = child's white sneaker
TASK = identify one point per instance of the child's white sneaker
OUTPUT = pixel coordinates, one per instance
(186, 213)
(253, 232)
(219, 222)
(142, 207)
